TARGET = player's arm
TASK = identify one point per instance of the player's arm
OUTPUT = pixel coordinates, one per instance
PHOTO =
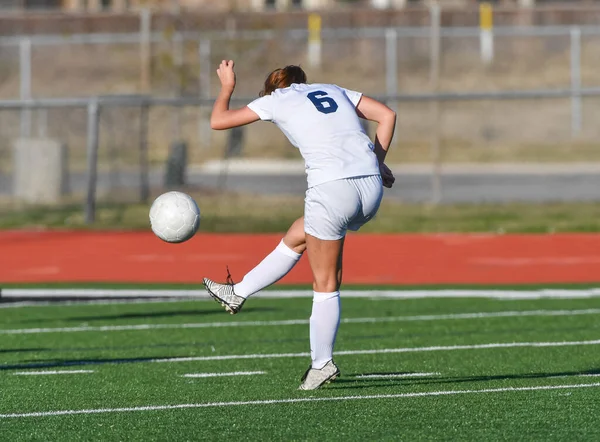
(222, 117)
(373, 110)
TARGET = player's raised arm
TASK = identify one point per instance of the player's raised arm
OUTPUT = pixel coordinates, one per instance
(373, 110)
(222, 117)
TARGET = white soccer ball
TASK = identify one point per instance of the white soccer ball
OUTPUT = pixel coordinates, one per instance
(174, 217)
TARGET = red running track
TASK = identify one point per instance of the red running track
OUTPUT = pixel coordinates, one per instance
(369, 259)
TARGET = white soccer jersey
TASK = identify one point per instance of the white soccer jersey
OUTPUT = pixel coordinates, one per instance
(321, 121)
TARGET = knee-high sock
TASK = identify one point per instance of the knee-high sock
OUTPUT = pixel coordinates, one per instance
(270, 270)
(324, 323)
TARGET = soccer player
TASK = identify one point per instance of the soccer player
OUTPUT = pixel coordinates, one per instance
(345, 172)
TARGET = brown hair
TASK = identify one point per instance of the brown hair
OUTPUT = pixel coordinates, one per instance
(283, 77)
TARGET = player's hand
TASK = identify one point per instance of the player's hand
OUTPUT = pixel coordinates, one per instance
(226, 74)
(387, 177)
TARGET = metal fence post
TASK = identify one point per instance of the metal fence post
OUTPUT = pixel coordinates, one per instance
(25, 84)
(178, 82)
(576, 106)
(434, 78)
(205, 67)
(144, 175)
(93, 126)
(314, 41)
(204, 48)
(486, 36)
(391, 64)
(145, 48)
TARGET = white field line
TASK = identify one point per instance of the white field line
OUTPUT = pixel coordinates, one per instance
(216, 375)
(41, 373)
(509, 295)
(588, 375)
(382, 294)
(395, 375)
(22, 304)
(383, 351)
(376, 351)
(102, 293)
(294, 401)
(367, 320)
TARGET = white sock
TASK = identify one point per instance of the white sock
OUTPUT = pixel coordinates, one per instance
(324, 323)
(270, 270)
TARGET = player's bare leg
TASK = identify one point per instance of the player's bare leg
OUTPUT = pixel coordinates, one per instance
(295, 238)
(325, 259)
(270, 270)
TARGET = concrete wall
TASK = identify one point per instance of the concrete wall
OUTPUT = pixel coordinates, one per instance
(39, 170)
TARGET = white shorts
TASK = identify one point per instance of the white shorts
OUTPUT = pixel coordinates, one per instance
(332, 208)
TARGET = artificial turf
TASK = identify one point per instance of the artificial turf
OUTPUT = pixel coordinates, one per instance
(132, 368)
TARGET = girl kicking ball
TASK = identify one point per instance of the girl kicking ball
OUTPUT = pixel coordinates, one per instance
(346, 175)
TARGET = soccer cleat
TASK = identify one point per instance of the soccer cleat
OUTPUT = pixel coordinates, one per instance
(224, 294)
(316, 378)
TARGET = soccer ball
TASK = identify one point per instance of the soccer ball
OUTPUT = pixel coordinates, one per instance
(174, 217)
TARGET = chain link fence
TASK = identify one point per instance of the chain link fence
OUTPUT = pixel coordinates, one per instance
(534, 103)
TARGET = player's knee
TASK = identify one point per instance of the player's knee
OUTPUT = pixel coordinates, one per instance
(295, 238)
(326, 284)
(295, 243)
(300, 249)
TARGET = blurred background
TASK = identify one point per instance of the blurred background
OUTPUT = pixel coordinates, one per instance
(104, 104)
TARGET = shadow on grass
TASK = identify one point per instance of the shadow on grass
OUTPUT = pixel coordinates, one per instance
(357, 381)
(55, 363)
(220, 343)
(143, 315)
(21, 350)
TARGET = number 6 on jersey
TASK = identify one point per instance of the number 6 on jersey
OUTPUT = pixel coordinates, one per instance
(323, 103)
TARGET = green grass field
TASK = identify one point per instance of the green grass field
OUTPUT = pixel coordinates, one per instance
(412, 369)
